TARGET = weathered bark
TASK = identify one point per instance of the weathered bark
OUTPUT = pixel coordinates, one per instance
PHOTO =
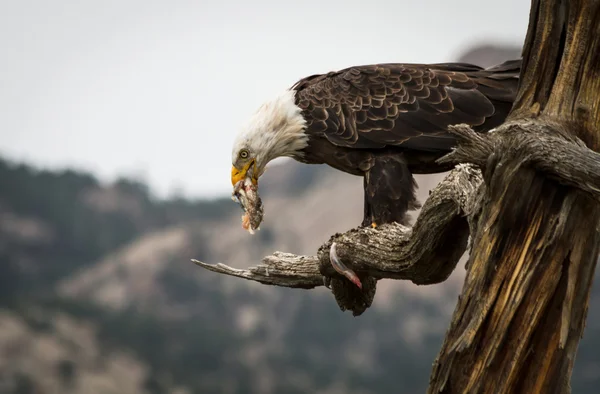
(522, 310)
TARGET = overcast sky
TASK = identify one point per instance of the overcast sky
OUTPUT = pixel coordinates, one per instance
(158, 89)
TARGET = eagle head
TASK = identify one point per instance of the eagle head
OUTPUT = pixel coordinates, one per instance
(275, 130)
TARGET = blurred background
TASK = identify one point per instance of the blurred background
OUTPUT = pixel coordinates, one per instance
(116, 122)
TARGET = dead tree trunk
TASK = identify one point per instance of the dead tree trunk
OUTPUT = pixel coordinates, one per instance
(522, 311)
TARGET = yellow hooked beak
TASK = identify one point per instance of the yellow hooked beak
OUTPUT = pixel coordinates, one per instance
(238, 175)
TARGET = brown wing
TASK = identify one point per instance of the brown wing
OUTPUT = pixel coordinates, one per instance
(410, 105)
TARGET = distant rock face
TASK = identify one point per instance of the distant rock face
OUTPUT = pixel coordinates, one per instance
(66, 357)
(488, 55)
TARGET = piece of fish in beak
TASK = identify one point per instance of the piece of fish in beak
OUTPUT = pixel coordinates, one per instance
(246, 193)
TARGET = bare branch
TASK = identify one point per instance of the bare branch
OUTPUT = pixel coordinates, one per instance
(425, 254)
(541, 144)
(279, 269)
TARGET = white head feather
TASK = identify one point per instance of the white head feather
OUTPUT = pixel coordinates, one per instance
(275, 130)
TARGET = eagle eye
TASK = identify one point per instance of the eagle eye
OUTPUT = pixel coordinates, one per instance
(244, 154)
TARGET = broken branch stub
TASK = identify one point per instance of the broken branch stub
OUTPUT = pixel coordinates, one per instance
(278, 269)
(541, 144)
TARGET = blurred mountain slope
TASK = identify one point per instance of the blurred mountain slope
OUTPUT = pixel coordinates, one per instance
(143, 297)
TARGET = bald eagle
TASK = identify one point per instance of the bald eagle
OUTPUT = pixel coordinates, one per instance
(384, 122)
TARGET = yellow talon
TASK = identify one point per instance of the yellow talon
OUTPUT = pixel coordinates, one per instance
(373, 224)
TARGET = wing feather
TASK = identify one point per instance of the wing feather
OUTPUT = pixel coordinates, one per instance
(408, 105)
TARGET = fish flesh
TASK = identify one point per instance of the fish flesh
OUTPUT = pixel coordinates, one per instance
(246, 194)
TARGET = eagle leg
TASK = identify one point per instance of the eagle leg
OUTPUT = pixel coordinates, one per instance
(390, 190)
